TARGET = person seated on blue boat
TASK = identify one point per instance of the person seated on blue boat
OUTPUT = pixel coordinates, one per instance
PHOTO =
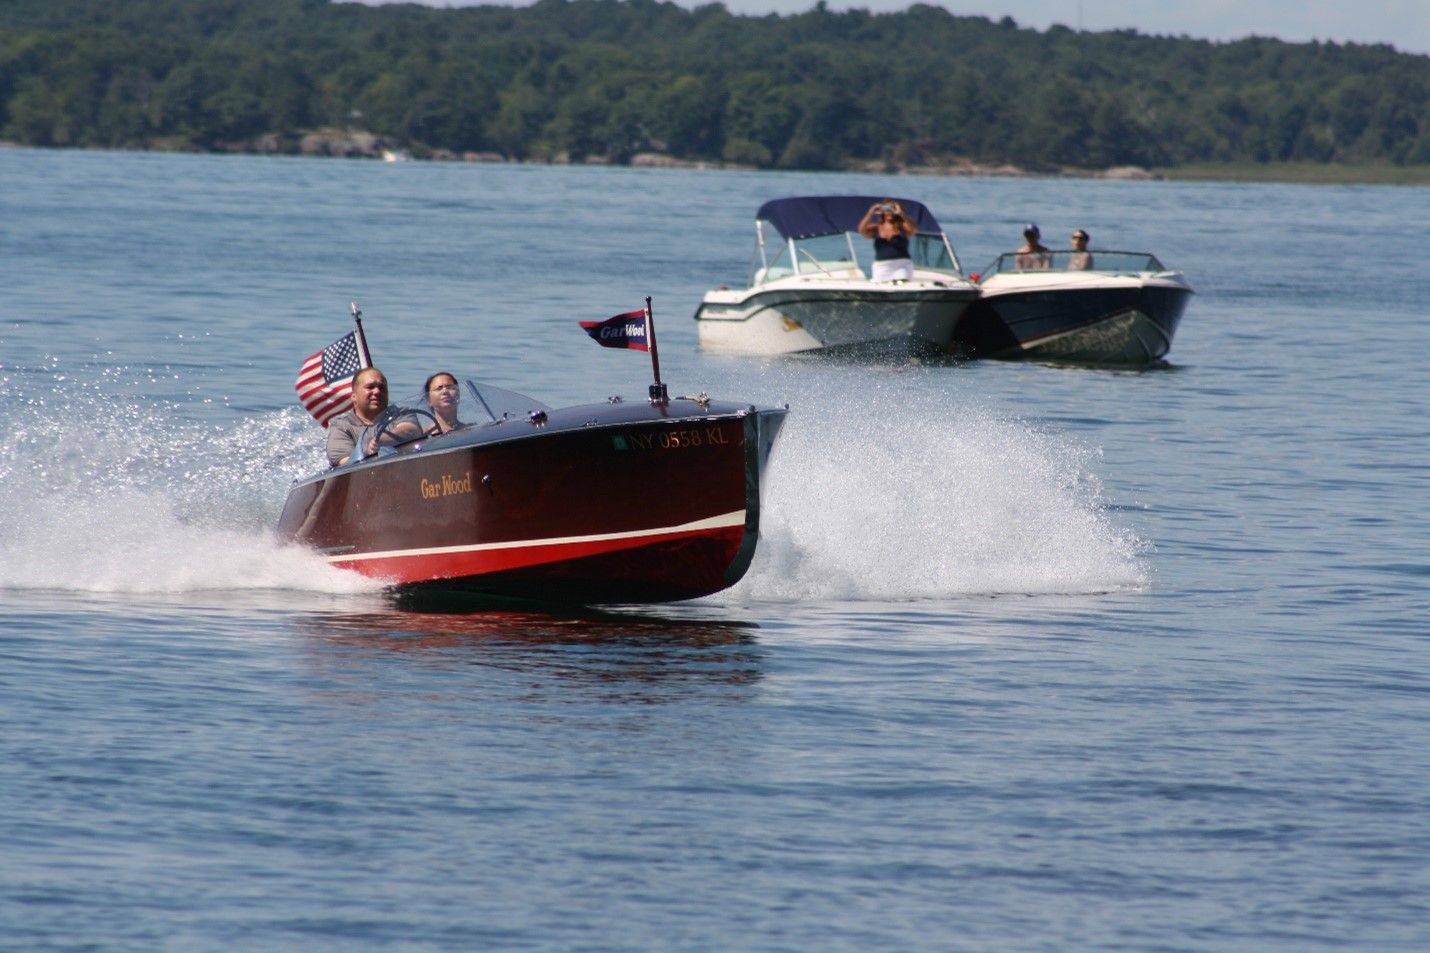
(1081, 258)
(369, 400)
(443, 395)
(1033, 255)
(891, 229)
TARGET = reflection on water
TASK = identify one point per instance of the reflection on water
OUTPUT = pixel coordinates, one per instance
(633, 656)
(433, 629)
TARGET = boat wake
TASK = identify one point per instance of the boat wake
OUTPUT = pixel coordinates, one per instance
(906, 497)
(104, 496)
(867, 498)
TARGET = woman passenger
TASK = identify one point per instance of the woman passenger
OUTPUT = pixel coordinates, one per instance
(443, 395)
(1081, 258)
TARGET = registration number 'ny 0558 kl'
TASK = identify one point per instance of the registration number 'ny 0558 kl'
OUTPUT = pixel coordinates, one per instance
(673, 439)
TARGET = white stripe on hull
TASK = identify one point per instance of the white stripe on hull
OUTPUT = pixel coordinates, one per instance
(726, 520)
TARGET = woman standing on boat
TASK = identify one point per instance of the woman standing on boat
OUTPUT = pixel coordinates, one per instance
(443, 395)
(891, 229)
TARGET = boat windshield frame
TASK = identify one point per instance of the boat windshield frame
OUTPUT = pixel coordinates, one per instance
(834, 255)
(488, 403)
(499, 403)
(401, 427)
(1103, 263)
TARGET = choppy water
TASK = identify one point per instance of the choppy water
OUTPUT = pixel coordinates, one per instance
(1031, 657)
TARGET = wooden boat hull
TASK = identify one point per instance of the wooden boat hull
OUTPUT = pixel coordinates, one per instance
(605, 503)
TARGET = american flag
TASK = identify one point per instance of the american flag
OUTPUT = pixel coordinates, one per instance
(325, 380)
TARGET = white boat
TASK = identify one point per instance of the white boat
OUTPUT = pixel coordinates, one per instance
(810, 284)
(1114, 308)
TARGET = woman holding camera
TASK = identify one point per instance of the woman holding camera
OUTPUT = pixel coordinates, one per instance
(891, 229)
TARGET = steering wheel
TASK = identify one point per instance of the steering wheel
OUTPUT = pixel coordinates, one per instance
(401, 430)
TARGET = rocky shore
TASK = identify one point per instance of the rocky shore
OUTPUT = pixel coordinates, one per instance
(359, 144)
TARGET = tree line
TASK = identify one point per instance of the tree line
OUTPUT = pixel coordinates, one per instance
(608, 79)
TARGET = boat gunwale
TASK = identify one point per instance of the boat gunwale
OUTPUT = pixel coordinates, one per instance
(471, 441)
(1015, 282)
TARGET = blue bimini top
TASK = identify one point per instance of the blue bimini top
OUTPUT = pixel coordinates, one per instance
(809, 215)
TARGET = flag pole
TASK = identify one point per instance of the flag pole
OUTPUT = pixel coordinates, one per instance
(364, 357)
(658, 393)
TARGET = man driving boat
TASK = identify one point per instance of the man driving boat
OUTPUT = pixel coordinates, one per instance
(369, 399)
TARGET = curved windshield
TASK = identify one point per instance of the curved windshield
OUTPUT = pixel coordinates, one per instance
(840, 255)
(402, 429)
(1104, 262)
(932, 251)
(491, 403)
(478, 403)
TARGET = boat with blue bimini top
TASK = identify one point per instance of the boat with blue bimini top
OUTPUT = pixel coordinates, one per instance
(812, 285)
(1097, 307)
(621, 501)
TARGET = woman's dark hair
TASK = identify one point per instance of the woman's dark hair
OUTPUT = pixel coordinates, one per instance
(427, 387)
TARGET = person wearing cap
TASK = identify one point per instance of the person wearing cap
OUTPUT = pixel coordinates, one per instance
(1081, 258)
(1033, 255)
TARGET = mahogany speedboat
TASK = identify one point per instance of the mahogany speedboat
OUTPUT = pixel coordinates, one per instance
(1110, 307)
(648, 501)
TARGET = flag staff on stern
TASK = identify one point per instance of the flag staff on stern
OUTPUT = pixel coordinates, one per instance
(364, 355)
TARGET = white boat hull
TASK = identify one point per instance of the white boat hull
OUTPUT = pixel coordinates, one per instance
(802, 315)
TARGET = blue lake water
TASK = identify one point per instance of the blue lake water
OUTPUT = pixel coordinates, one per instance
(1030, 658)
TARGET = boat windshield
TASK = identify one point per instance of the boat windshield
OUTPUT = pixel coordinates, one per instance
(401, 427)
(485, 403)
(843, 255)
(490, 404)
(1102, 262)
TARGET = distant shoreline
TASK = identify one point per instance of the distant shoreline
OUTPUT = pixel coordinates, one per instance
(376, 148)
(1304, 173)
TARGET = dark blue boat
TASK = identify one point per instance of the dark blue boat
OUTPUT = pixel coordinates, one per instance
(1107, 307)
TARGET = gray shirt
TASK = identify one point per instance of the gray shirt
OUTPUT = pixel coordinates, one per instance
(343, 433)
(345, 430)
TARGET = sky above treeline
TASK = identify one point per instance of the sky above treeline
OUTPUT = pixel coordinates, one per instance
(1404, 24)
